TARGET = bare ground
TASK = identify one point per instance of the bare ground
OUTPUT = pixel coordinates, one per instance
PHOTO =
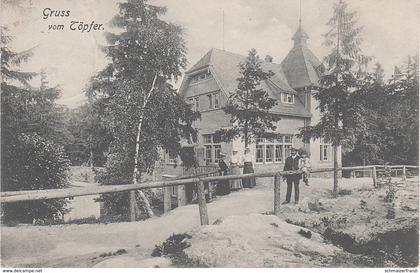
(91, 245)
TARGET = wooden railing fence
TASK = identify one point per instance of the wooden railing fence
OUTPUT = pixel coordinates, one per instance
(19, 196)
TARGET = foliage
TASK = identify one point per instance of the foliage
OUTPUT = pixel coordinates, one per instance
(341, 117)
(390, 110)
(148, 52)
(32, 125)
(91, 137)
(249, 106)
(34, 163)
(174, 247)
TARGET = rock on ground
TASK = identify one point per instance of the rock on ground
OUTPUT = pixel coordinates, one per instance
(257, 240)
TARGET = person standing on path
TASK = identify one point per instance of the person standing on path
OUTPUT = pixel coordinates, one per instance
(223, 187)
(248, 160)
(235, 184)
(292, 164)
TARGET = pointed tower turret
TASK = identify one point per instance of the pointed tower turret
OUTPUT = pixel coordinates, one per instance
(300, 36)
(301, 67)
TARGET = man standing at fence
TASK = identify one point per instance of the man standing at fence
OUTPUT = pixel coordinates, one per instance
(292, 164)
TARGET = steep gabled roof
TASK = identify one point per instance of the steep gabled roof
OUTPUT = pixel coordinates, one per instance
(301, 66)
(224, 67)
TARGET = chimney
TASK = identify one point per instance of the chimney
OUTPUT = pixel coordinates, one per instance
(268, 59)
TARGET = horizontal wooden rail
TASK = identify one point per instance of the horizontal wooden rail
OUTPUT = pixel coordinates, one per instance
(17, 196)
(70, 192)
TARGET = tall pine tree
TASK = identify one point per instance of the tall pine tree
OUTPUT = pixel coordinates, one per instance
(340, 115)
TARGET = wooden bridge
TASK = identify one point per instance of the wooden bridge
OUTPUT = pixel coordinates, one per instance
(19, 196)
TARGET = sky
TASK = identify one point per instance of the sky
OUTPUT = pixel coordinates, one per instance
(71, 57)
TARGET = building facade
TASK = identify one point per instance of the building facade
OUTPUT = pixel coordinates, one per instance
(209, 83)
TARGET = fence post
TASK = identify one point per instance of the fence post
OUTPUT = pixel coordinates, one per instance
(167, 199)
(277, 181)
(375, 184)
(182, 196)
(202, 206)
(404, 173)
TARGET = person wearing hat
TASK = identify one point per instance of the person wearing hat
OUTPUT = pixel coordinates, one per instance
(235, 184)
(223, 187)
(248, 160)
(292, 164)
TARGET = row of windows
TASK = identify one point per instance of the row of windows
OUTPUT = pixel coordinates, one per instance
(211, 101)
(273, 150)
(201, 76)
(288, 98)
(268, 150)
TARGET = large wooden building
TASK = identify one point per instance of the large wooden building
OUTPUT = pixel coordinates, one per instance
(208, 84)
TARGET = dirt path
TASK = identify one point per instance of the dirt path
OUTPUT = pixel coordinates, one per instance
(81, 245)
(29, 244)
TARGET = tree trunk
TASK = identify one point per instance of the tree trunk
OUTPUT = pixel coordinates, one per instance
(246, 134)
(91, 159)
(133, 203)
(335, 190)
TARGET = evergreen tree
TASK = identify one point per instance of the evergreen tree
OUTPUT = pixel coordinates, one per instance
(30, 160)
(341, 115)
(142, 110)
(400, 133)
(249, 106)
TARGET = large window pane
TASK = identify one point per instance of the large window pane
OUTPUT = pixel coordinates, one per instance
(279, 153)
(259, 153)
(207, 139)
(197, 104)
(216, 100)
(217, 149)
(287, 150)
(208, 155)
(269, 153)
(210, 100)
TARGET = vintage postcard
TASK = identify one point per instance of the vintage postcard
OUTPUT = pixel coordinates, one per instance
(209, 134)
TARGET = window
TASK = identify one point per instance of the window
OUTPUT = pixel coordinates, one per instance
(201, 76)
(288, 98)
(212, 148)
(208, 154)
(194, 103)
(170, 158)
(324, 151)
(210, 100)
(269, 153)
(213, 100)
(273, 150)
(197, 103)
(259, 157)
(279, 153)
(216, 100)
(190, 102)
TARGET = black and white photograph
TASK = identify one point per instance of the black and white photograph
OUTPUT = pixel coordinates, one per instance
(209, 134)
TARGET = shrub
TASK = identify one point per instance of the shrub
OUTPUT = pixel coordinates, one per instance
(32, 163)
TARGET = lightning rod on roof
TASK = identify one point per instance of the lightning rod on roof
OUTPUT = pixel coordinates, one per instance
(223, 29)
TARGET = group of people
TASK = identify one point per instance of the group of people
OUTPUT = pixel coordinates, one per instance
(296, 161)
(236, 163)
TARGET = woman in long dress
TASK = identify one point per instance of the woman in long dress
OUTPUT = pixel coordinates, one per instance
(248, 160)
(235, 184)
(223, 187)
